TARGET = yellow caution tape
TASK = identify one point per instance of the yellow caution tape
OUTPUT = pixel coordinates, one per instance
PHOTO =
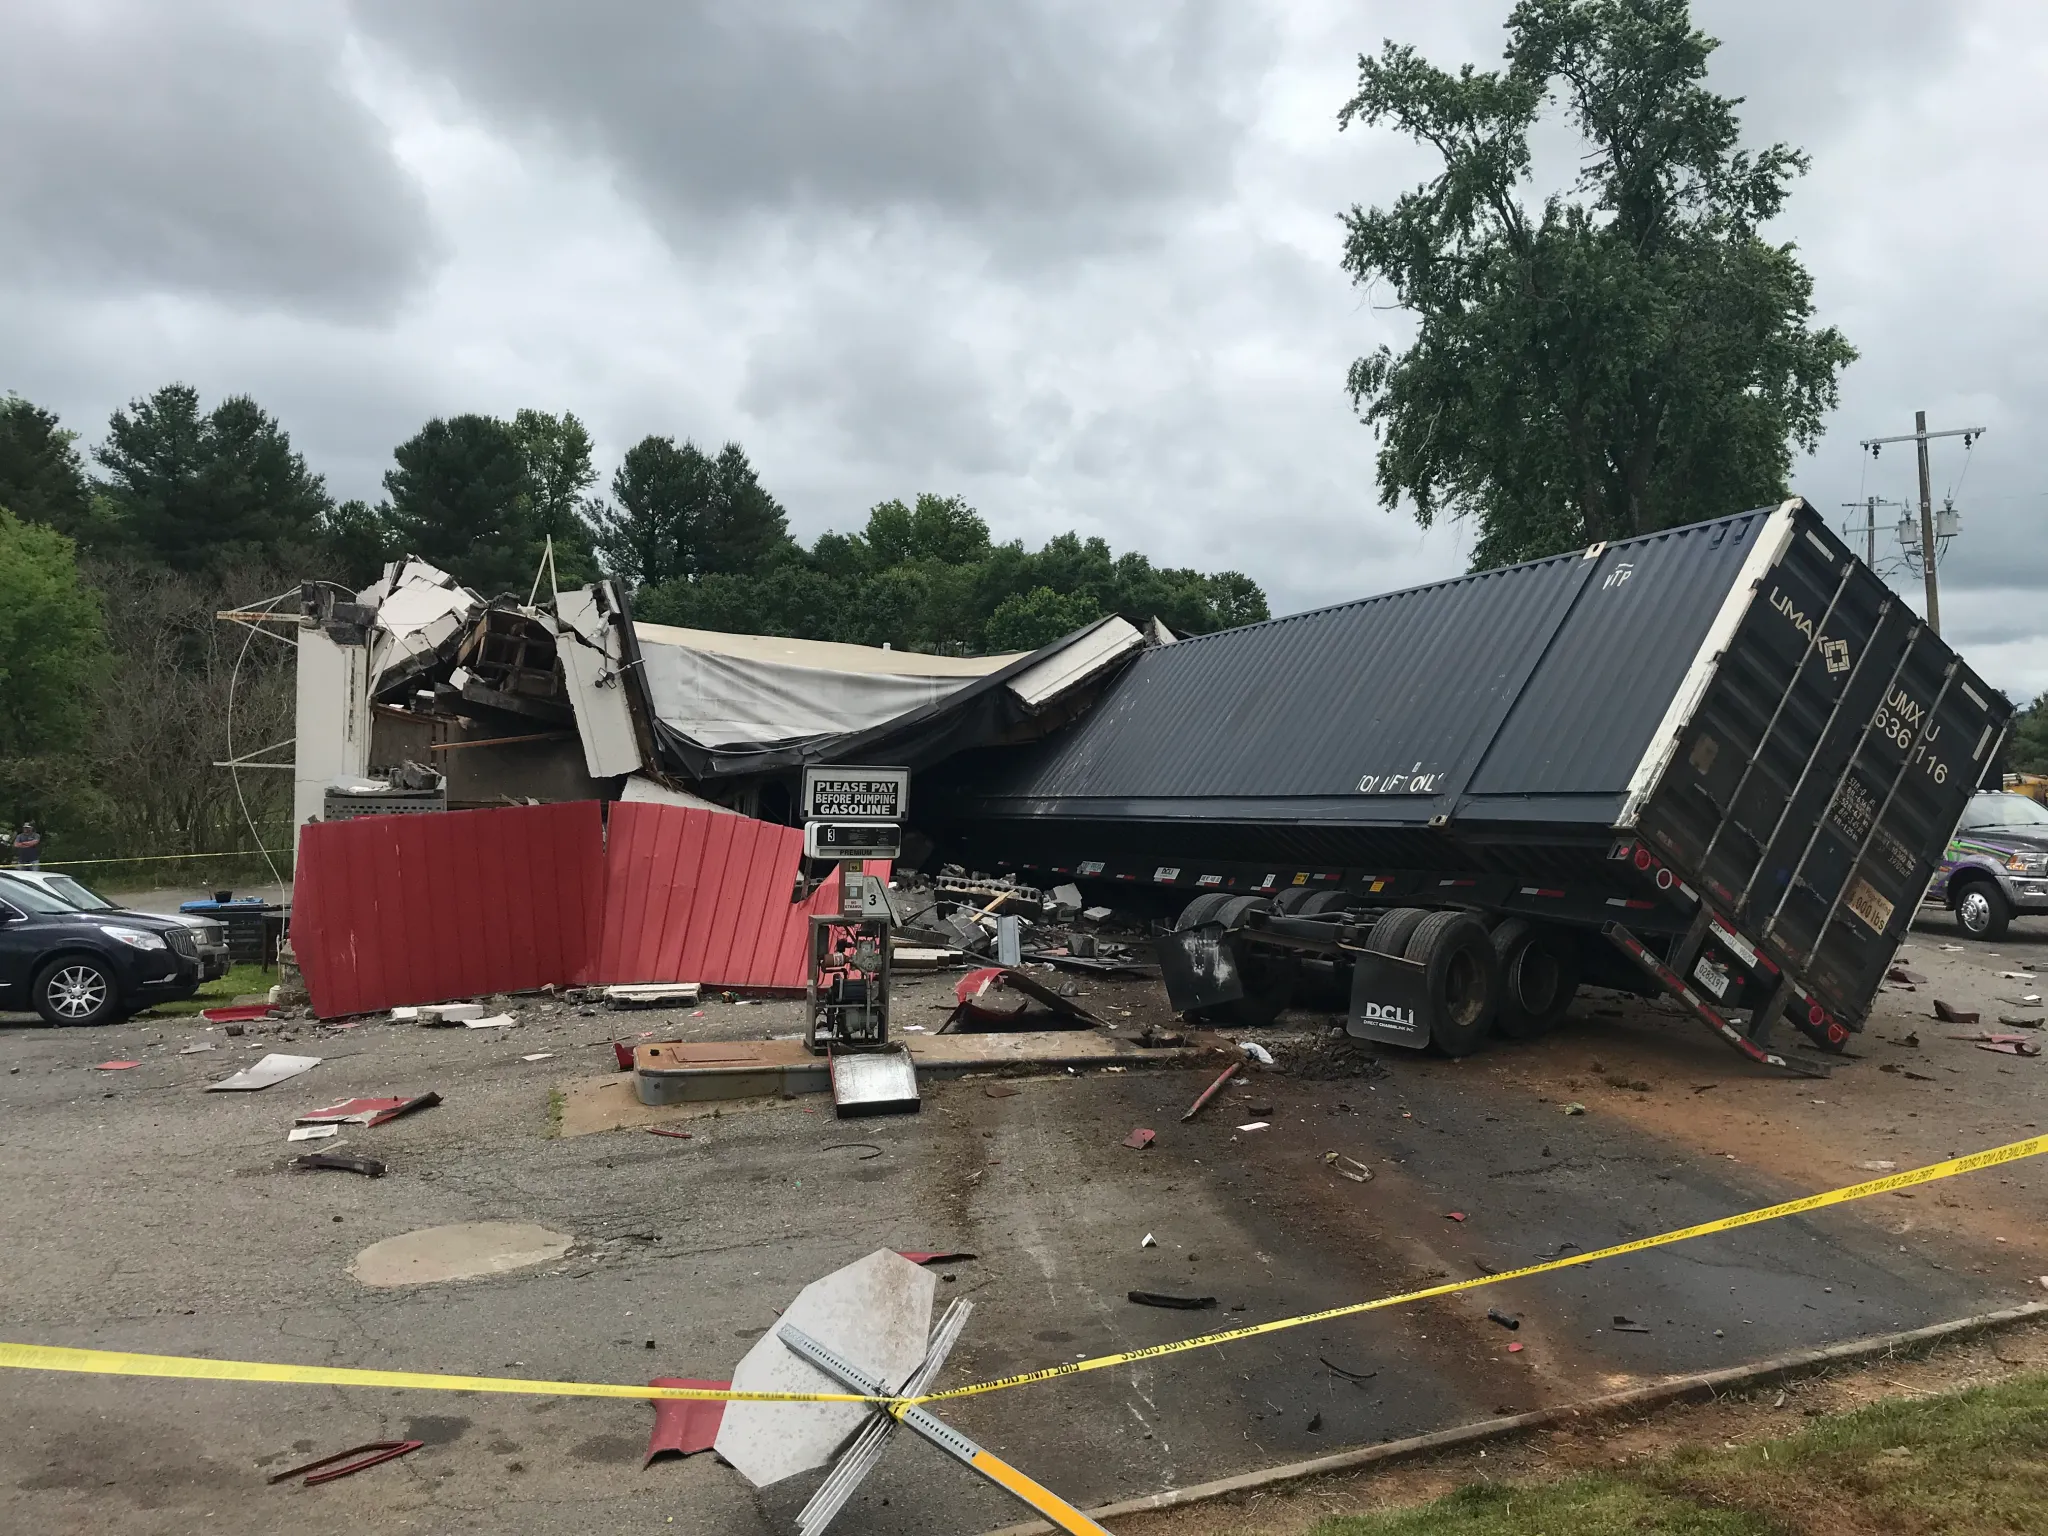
(2033, 1146)
(111, 1362)
(104, 1362)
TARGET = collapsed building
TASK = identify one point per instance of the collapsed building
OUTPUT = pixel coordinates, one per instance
(417, 694)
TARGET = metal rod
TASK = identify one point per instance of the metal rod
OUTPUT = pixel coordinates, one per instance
(1927, 528)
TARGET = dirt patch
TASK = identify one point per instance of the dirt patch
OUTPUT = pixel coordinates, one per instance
(459, 1252)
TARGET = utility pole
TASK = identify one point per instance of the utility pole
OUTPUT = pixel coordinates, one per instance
(1868, 507)
(1920, 436)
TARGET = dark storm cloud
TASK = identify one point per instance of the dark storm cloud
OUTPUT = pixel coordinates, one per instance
(191, 150)
(1040, 110)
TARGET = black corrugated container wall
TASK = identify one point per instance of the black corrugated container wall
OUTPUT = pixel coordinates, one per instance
(1815, 786)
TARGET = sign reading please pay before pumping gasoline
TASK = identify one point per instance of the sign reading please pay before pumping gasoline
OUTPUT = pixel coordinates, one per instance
(856, 794)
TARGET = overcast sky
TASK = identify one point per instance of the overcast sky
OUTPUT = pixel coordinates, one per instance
(1075, 262)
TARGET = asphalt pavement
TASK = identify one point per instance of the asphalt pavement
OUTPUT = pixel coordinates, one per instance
(144, 1214)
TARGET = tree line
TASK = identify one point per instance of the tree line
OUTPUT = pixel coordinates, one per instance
(116, 681)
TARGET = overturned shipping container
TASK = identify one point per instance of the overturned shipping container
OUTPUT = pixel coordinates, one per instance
(1726, 756)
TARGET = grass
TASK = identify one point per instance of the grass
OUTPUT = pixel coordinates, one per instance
(1972, 1463)
(240, 981)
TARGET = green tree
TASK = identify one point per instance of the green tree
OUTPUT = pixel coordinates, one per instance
(681, 514)
(559, 474)
(202, 490)
(42, 478)
(356, 540)
(2027, 747)
(1039, 617)
(1630, 355)
(51, 641)
(460, 497)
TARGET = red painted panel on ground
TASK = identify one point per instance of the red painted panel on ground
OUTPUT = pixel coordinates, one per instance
(392, 910)
(685, 1425)
(702, 896)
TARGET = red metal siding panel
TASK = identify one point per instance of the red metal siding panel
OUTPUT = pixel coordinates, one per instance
(391, 910)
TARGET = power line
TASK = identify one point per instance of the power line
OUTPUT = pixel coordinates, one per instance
(1920, 437)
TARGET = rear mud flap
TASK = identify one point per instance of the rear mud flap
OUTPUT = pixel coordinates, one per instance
(1675, 985)
(1389, 1000)
(1200, 967)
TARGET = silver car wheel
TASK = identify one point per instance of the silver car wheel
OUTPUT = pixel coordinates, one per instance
(78, 991)
(1974, 912)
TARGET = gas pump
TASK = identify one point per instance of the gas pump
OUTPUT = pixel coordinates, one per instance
(852, 815)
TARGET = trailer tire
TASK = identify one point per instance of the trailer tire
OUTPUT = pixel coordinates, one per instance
(1539, 975)
(1292, 900)
(1390, 935)
(1323, 901)
(1268, 978)
(1462, 979)
(1199, 911)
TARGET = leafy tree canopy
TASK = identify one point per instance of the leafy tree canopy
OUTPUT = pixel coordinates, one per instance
(927, 577)
(2027, 748)
(480, 497)
(42, 477)
(682, 514)
(51, 641)
(200, 490)
(1629, 355)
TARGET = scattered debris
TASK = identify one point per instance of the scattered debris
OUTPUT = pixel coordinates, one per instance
(1179, 1303)
(871, 1150)
(371, 1454)
(1952, 949)
(653, 994)
(1208, 1093)
(114, 1066)
(1510, 1323)
(1348, 1375)
(656, 1130)
(339, 1162)
(1628, 1325)
(2008, 1045)
(2017, 976)
(241, 1013)
(539, 1056)
(443, 1015)
(683, 1426)
(622, 1053)
(1575, 1108)
(1454, 1215)
(1948, 1013)
(1910, 978)
(1315, 1423)
(1515, 1348)
(232, 1029)
(195, 1048)
(272, 1069)
(2021, 1021)
(1000, 1091)
(927, 1260)
(405, 1015)
(983, 1003)
(1255, 1125)
(1332, 1055)
(367, 1111)
(1149, 1242)
(1256, 1051)
(1348, 1167)
(312, 1132)
(1877, 1165)
(1139, 1139)
(496, 1021)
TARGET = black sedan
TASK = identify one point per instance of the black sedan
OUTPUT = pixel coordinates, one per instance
(77, 967)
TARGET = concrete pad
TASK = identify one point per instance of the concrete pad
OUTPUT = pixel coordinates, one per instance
(677, 1072)
(460, 1252)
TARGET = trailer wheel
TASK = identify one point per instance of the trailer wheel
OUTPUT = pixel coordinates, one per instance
(1390, 935)
(1199, 911)
(1462, 979)
(1324, 901)
(1291, 901)
(1539, 973)
(1268, 978)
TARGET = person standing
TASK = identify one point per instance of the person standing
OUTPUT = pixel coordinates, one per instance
(28, 846)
